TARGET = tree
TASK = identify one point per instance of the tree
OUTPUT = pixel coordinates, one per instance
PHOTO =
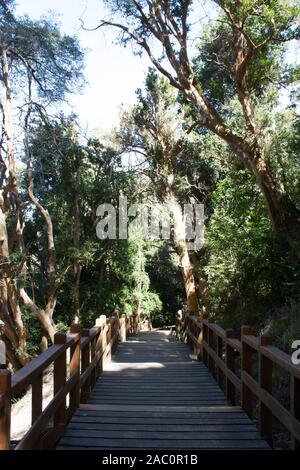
(154, 129)
(252, 30)
(112, 272)
(37, 59)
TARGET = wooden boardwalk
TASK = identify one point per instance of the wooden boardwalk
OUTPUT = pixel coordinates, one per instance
(154, 396)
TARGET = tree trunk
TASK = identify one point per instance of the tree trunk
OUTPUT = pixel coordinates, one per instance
(76, 245)
(188, 278)
(8, 301)
(44, 315)
(13, 362)
(284, 215)
(186, 266)
(14, 328)
(201, 282)
(17, 315)
(75, 293)
(7, 121)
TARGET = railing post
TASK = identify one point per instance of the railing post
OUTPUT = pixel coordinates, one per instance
(230, 364)
(5, 409)
(179, 328)
(247, 396)
(186, 328)
(138, 322)
(123, 328)
(183, 327)
(95, 370)
(60, 418)
(37, 398)
(197, 335)
(128, 332)
(190, 329)
(108, 338)
(75, 369)
(85, 362)
(101, 342)
(199, 338)
(220, 355)
(115, 331)
(205, 339)
(295, 406)
(211, 362)
(265, 382)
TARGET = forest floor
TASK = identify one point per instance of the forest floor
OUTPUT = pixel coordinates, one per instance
(21, 409)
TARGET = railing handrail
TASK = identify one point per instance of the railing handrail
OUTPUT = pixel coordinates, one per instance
(89, 350)
(219, 349)
(25, 376)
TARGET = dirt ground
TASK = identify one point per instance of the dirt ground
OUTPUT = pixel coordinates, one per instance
(21, 409)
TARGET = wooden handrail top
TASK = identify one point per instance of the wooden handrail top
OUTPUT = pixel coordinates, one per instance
(282, 359)
(94, 331)
(89, 334)
(195, 320)
(25, 376)
(218, 330)
(72, 338)
(235, 344)
(252, 341)
(277, 356)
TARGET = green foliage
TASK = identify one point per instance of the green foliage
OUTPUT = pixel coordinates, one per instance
(41, 56)
(284, 324)
(214, 65)
(284, 152)
(34, 332)
(113, 272)
(165, 279)
(251, 275)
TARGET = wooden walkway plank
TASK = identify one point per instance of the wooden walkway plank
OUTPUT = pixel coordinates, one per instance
(154, 396)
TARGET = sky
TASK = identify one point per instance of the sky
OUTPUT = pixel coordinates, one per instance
(113, 72)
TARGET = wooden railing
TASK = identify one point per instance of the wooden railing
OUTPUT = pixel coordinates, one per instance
(77, 359)
(243, 376)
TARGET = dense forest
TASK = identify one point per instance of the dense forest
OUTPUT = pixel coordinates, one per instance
(216, 122)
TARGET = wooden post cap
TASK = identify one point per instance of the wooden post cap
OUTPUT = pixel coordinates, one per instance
(60, 338)
(247, 330)
(265, 339)
(229, 333)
